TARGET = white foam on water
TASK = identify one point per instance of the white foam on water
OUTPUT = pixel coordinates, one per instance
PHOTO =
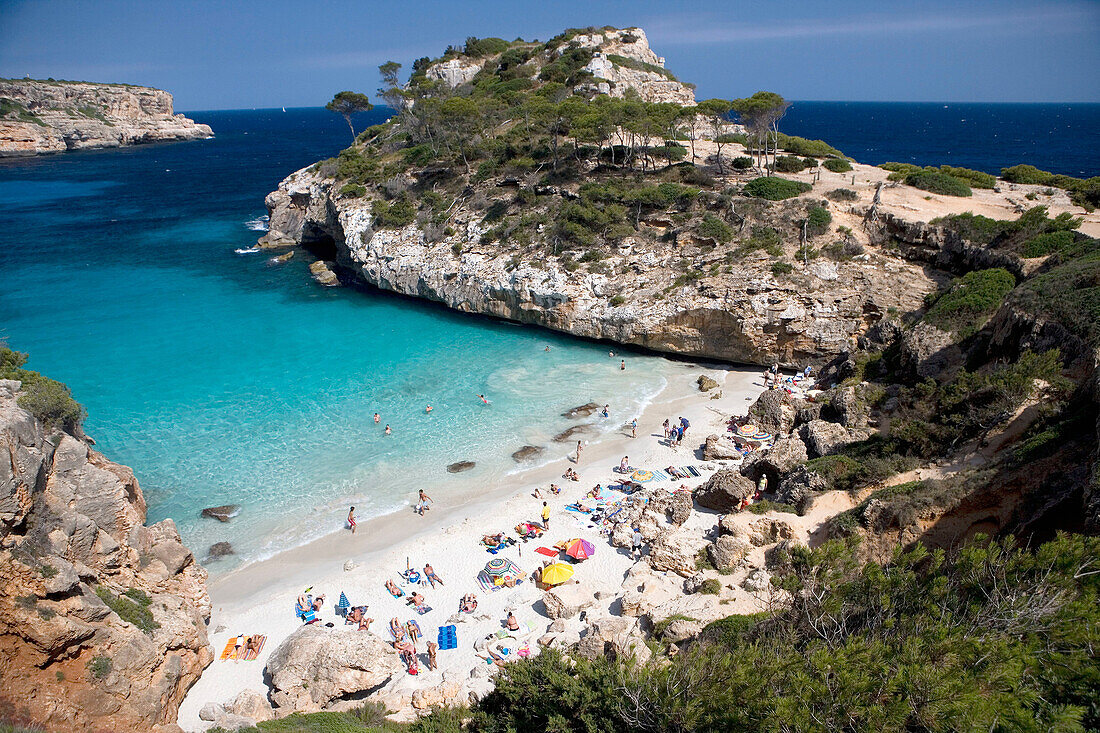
(259, 224)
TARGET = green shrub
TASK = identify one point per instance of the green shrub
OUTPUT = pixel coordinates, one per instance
(802, 146)
(898, 171)
(842, 194)
(789, 164)
(1083, 192)
(133, 607)
(353, 166)
(782, 268)
(478, 47)
(837, 165)
(1069, 294)
(418, 154)
(970, 300)
(741, 163)
(1026, 174)
(47, 571)
(100, 667)
(353, 191)
(977, 179)
(1047, 243)
(49, 401)
(637, 65)
(936, 182)
(392, 215)
(773, 188)
(765, 238)
(710, 586)
(714, 228)
(616, 300)
(818, 220)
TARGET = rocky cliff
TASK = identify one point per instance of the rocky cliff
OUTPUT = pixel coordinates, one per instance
(102, 619)
(50, 117)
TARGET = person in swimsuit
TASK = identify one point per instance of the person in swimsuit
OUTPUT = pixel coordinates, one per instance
(377, 419)
(351, 519)
(432, 646)
(430, 576)
(388, 431)
(483, 400)
(579, 446)
(622, 366)
(428, 409)
(634, 428)
(511, 622)
(624, 464)
(422, 503)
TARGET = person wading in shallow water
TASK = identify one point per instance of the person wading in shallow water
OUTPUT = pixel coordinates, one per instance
(351, 520)
(422, 504)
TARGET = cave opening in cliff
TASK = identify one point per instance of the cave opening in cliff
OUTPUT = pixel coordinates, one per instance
(320, 244)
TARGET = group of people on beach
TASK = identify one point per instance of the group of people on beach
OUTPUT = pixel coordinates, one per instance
(674, 432)
(772, 377)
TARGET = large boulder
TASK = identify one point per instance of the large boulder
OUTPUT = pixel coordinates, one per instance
(774, 411)
(758, 581)
(724, 491)
(717, 449)
(581, 411)
(671, 553)
(527, 452)
(250, 704)
(566, 601)
(784, 455)
(769, 531)
(823, 438)
(847, 407)
(926, 351)
(706, 383)
(799, 487)
(222, 513)
(681, 629)
(316, 666)
(679, 508)
(727, 552)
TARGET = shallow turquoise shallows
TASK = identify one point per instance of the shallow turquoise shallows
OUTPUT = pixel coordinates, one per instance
(221, 378)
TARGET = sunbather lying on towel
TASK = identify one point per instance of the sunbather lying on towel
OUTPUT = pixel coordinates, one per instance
(492, 540)
(675, 472)
(416, 600)
(393, 589)
(468, 604)
(430, 576)
(397, 630)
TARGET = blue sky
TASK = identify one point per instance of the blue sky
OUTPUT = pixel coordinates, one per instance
(271, 53)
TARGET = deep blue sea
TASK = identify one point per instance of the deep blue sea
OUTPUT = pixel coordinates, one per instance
(221, 378)
(1061, 138)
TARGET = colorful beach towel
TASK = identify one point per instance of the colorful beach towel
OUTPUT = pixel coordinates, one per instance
(229, 646)
(251, 654)
(546, 551)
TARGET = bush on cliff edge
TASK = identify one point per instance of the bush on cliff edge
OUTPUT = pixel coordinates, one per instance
(48, 400)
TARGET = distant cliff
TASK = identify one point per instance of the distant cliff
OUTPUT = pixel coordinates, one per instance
(55, 116)
(102, 618)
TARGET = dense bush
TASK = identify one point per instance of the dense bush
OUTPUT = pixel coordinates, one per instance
(478, 47)
(842, 194)
(1047, 243)
(837, 165)
(714, 228)
(789, 164)
(970, 300)
(936, 182)
(818, 220)
(977, 179)
(1083, 192)
(1069, 294)
(393, 214)
(741, 163)
(802, 146)
(773, 188)
(782, 268)
(49, 401)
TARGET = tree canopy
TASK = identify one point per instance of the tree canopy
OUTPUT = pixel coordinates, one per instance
(347, 103)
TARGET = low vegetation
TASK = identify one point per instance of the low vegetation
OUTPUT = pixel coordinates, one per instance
(937, 182)
(48, 400)
(964, 307)
(1084, 192)
(774, 188)
(132, 607)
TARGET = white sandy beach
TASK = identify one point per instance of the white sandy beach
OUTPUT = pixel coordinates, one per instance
(259, 598)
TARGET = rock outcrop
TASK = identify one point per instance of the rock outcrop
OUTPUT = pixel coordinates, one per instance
(55, 116)
(316, 667)
(102, 619)
(724, 491)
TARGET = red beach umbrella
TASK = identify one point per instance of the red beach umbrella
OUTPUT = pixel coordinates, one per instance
(579, 549)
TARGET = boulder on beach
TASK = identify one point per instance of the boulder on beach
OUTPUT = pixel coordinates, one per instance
(460, 466)
(222, 513)
(316, 666)
(724, 491)
(567, 601)
(581, 411)
(526, 453)
(717, 449)
(706, 383)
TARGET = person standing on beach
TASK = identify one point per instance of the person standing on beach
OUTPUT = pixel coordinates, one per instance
(578, 452)
(622, 366)
(636, 543)
(665, 426)
(634, 428)
(422, 504)
(545, 515)
(351, 519)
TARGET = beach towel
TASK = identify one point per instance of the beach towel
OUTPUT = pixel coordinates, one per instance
(229, 646)
(546, 551)
(448, 637)
(251, 654)
(422, 609)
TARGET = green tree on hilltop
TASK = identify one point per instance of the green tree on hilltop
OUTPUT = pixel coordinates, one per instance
(717, 110)
(346, 104)
(760, 114)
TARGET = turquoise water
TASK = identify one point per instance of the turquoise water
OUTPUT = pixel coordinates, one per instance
(221, 378)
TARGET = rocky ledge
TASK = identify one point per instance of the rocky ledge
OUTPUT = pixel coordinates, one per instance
(102, 619)
(52, 117)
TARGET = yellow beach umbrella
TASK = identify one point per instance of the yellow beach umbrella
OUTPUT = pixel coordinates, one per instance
(556, 574)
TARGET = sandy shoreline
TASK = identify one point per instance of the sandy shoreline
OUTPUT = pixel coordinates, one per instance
(259, 597)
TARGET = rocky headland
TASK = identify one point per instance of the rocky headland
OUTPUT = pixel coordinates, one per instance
(102, 618)
(39, 117)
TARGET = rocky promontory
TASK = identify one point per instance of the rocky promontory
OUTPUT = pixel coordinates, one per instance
(102, 618)
(55, 116)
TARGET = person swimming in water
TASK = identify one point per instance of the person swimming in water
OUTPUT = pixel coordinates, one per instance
(388, 431)
(377, 419)
(483, 400)
(427, 409)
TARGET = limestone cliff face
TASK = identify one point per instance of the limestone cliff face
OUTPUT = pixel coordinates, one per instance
(746, 315)
(73, 540)
(51, 117)
(643, 72)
